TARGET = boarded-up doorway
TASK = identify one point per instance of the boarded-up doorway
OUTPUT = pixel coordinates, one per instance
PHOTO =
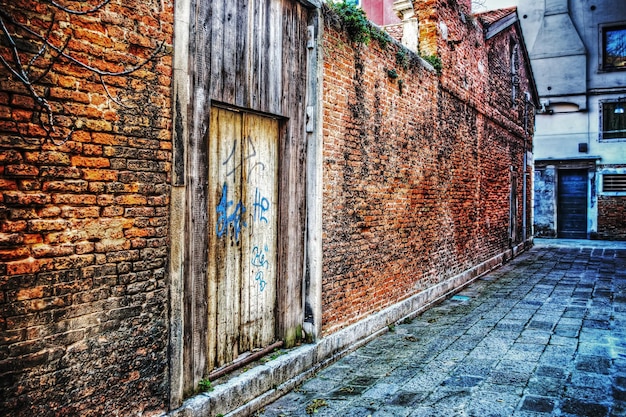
(243, 219)
(572, 204)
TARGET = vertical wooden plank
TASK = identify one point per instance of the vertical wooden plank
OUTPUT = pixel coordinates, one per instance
(244, 25)
(264, 47)
(261, 135)
(214, 255)
(248, 289)
(292, 181)
(230, 283)
(231, 51)
(216, 44)
(254, 40)
(226, 227)
(314, 185)
(269, 189)
(275, 56)
(195, 261)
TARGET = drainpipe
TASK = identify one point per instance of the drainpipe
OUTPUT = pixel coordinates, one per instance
(524, 192)
(525, 176)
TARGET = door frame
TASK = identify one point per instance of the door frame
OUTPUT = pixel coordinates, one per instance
(298, 313)
(559, 175)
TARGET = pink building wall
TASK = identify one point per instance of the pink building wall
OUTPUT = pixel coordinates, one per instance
(380, 11)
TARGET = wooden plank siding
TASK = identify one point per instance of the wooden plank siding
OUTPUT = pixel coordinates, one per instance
(250, 57)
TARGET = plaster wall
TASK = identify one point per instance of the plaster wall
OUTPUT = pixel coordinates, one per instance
(545, 202)
(566, 55)
(560, 134)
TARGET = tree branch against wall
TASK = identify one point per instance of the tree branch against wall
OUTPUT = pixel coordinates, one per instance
(33, 43)
(478, 5)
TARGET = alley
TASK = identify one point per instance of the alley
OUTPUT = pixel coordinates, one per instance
(543, 335)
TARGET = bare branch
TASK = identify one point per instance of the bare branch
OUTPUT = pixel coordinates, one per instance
(44, 54)
(54, 60)
(70, 58)
(42, 50)
(14, 52)
(21, 74)
(78, 12)
(113, 99)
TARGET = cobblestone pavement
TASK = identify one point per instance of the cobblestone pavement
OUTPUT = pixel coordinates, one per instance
(543, 335)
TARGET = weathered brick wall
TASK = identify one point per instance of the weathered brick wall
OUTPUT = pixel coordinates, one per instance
(611, 215)
(417, 172)
(84, 219)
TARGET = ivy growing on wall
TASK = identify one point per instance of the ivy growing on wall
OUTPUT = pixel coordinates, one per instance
(435, 61)
(357, 25)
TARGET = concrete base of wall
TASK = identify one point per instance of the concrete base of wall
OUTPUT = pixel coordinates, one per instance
(250, 391)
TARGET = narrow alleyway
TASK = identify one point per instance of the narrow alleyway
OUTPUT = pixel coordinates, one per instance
(543, 335)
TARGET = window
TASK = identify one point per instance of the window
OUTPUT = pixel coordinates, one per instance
(613, 183)
(613, 119)
(614, 48)
(515, 79)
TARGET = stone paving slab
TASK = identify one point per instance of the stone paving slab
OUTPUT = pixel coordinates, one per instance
(544, 335)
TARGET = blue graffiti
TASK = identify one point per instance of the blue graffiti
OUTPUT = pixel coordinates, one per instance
(225, 220)
(260, 280)
(261, 205)
(258, 257)
(248, 157)
(259, 260)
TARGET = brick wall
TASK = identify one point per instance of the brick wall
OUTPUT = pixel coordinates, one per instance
(417, 188)
(611, 214)
(417, 168)
(83, 235)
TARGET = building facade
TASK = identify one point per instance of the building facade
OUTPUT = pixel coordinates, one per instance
(578, 54)
(380, 12)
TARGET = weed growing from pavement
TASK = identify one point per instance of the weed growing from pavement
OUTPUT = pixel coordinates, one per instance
(205, 385)
(315, 406)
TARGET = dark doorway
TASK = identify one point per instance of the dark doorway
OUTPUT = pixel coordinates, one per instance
(572, 204)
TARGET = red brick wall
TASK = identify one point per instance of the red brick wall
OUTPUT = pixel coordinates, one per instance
(83, 235)
(417, 171)
(611, 215)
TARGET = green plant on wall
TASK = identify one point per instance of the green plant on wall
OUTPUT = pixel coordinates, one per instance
(356, 23)
(354, 20)
(402, 58)
(435, 61)
(380, 36)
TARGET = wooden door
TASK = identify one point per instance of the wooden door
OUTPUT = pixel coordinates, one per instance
(243, 214)
(572, 204)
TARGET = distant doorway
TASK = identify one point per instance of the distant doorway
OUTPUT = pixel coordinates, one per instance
(572, 204)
